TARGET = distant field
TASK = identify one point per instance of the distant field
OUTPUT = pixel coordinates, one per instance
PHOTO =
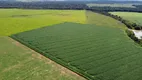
(18, 62)
(102, 20)
(111, 5)
(19, 20)
(131, 16)
(98, 53)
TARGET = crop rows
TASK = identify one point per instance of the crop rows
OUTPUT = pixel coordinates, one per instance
(102, 53)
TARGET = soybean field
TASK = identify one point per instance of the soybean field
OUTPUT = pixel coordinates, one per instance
(97, 53)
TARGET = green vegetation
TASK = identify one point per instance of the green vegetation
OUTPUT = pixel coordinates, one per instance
(131, 16)
(97, 53)
(18, 62)
(18, 20)
(132, 35)
(111, 5)
(99, 50)
(102, 20)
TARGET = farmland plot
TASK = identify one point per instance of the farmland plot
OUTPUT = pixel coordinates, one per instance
(97, 53)
(17, 62)
(102, 20)
(18, 20)
(131, 16)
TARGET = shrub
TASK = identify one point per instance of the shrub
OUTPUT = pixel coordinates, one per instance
(132, 35)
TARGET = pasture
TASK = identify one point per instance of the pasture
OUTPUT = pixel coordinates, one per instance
(18, 20)
(17, 62)
(97, 53)
(131, 16)
(102, 20)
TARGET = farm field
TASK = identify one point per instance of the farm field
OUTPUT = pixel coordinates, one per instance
(131, 16)
(102, 20)
(17, 62)
(18, 20)
(97, 53)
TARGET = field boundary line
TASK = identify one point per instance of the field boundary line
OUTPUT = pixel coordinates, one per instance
(56, 60)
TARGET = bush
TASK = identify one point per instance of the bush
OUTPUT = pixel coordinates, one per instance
(132, 35)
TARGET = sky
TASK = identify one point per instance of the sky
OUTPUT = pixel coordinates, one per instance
(68, 0)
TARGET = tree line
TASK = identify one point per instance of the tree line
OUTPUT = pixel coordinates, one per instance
(113, 9)
(133, 37)
(75, 5)
(44, 5)
(129, 24)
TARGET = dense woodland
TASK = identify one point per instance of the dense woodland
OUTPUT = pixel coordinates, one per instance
(68, 5)
(111, 9)
(44, 5)
(138, 6)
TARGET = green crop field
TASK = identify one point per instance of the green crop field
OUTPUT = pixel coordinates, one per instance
(111, 5)
(19, 20)
(97, 53)
(131, 16)
(102, 20)
(17, 62)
